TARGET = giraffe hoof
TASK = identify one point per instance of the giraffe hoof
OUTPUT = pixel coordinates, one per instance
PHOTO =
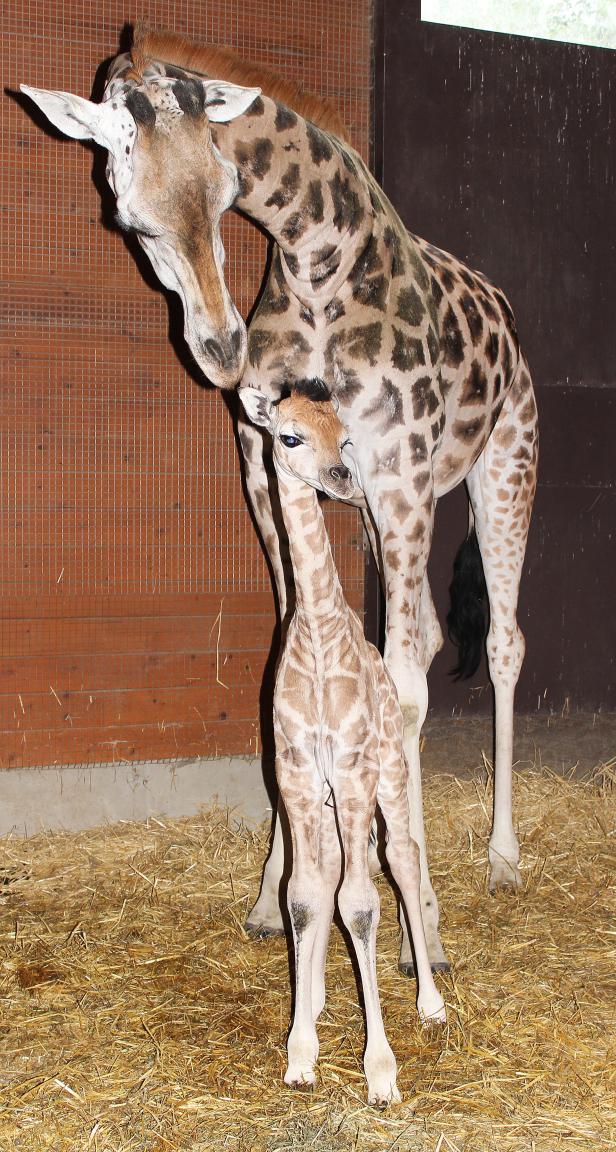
(300, 1080)
(382, 1100)
(407, 968)
(504, 877)
(261, 931)
(440, 966)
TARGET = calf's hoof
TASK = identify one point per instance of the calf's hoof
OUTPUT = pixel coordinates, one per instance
(503, 875)
(407, 967)
(301, 1080)
(381, 1097)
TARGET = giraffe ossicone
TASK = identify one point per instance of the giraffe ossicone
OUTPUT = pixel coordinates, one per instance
(338, 729)
(421, 352)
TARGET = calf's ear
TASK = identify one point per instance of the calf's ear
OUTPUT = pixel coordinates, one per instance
(257, 407)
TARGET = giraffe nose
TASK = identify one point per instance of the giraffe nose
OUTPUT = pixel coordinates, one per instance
(340, 472)
(223, 351)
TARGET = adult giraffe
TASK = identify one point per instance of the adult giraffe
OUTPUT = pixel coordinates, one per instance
(421, 352)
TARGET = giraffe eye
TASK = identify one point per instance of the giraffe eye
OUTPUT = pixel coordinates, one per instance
(291, 441)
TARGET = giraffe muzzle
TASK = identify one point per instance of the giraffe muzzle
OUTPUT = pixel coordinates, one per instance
(338, 483)
(223, 358)
(340, 472)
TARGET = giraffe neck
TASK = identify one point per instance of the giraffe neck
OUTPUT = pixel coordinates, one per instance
(320, 607)
(311, 193)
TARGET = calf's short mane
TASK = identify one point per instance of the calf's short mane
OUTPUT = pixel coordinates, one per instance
(222, 63)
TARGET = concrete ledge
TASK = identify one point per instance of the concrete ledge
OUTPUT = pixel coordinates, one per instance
(88, 795)
(85, 796)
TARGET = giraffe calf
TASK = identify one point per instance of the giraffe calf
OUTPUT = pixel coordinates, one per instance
(338, 729)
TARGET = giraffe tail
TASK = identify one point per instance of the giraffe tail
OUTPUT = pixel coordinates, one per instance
(467, 619)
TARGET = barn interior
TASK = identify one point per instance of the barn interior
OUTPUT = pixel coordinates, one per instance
(138, 630)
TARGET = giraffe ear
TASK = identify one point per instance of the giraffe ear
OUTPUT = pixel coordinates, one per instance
(225, 102)
(71, 115)
(257, 407)
(82, 119)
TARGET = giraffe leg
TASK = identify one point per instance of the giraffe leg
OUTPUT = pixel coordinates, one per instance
(403, 855)
(330, 864)
(358, 901)
(412, 636)
(430, 640)
(374, 859)
(265, 918)
(302, 792)
(501, 487)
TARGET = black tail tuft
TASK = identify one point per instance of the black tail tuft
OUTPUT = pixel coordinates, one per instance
(467, 619)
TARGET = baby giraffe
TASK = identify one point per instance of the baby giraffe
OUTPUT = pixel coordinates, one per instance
(338, 730)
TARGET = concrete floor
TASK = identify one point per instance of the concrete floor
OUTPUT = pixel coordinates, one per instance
(581, 741)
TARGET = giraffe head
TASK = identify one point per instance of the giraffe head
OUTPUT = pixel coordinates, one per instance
(308, 437)
(171, 186)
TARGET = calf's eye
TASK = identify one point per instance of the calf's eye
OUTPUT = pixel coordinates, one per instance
(290, 441)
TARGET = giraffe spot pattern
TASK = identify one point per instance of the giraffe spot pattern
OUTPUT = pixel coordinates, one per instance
(473, 316)
(392, 243)
(190, 96)
(348, 210)
(275, 299)
(307, 315)
(452, 339)
(448, 280)
(141, 109)
(425, 400)
(369, 285)
(475, 389)
(287, 189)
(365, 342)
(285, 118)
(319, 145)
(468, 429)
(434, 348)
(291, 262)
(387, 406)
(348, 384)
(488, 307)
(436, 290)
(418, 270)
(491, 348)
(311, 211)
(418, 533)
(257, 108)
(420, 481)
(410, 307)
(334, 310)
(391, 461)
(253, 160)
(323, 264)
(419, 448)
(259, 342)
(407, 352)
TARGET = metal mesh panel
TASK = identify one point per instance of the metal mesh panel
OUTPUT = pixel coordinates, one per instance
(120, 498)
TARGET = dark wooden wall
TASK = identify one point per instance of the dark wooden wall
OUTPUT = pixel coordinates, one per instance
(502, 150)
(136, 612)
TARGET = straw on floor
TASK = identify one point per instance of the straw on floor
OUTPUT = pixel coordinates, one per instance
(136, 1016)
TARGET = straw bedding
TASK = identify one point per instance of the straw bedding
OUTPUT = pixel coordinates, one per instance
(136, 1016)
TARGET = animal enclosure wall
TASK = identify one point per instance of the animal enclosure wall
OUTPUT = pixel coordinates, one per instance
(507, 160)
(136, 612)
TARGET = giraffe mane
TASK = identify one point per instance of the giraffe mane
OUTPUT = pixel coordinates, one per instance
(314, 389)
(223, 63)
